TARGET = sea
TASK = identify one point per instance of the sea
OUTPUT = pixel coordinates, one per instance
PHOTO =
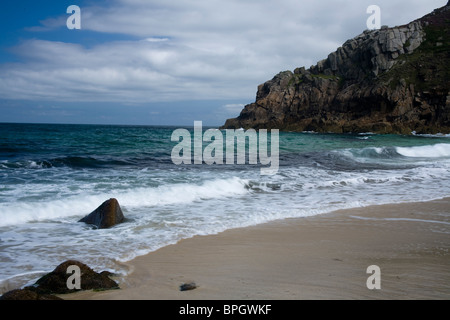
(53, 175)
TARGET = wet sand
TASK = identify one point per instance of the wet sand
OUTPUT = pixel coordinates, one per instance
(320, 257)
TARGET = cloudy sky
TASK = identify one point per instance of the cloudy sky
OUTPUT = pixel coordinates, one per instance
(155, 62)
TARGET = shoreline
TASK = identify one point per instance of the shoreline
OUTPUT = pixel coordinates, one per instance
(319, 257)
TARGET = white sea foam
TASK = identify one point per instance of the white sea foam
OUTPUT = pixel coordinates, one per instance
(428, 135)
(366, 134)
(398, 155)
(429, 151)
(162, 215)
(82, 204)
(184, 193)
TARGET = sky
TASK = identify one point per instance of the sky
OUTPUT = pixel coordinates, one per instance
(155, 62)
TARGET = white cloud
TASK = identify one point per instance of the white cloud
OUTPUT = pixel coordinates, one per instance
(156, 39)
(48, 24)
(189, 49)
(131, 71)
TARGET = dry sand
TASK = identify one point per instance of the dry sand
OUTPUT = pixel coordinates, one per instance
(320, 257)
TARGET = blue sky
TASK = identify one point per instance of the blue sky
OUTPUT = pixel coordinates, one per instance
(155, 62)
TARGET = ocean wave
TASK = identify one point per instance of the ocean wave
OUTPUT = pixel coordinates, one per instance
(22, 164)
(429, 151)
(372, 152)
(185, 192)
(73, 162)
(24, 212)
(429, 135)
(396, 155)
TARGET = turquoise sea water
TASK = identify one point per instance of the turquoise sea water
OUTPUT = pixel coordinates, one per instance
(53, 175)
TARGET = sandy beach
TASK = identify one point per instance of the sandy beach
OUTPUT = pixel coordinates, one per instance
(320, 257)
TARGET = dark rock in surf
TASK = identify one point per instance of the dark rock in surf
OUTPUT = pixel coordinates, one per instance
(107, 215)
(26, 294)
(55, 282)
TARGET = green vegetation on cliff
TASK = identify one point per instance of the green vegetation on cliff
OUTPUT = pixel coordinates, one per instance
(428, 67)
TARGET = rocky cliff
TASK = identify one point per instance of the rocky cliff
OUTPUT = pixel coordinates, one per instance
(392, 80)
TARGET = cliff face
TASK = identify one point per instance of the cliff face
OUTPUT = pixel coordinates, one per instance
(392, 80)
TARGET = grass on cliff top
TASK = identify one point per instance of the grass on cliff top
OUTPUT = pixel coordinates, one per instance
(324, 76)
(428, 66)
